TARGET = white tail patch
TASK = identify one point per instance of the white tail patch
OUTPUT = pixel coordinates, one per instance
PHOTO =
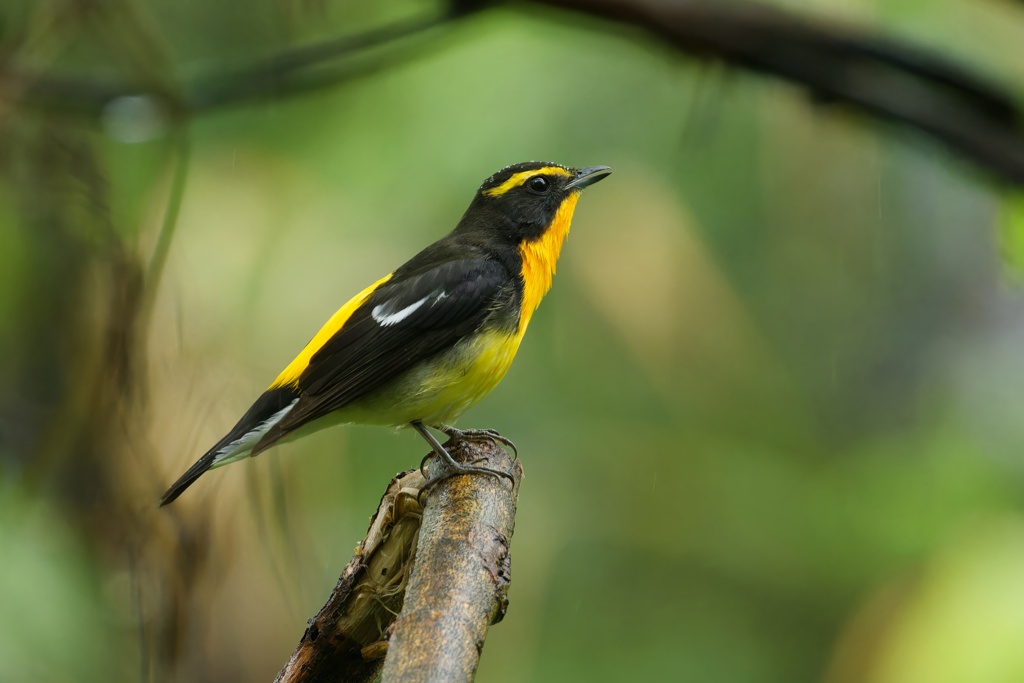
(240, 447)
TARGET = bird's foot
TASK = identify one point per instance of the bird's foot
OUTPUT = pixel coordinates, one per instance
(477, 435)
(449, 467)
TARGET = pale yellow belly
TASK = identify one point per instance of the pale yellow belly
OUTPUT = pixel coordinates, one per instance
(440, 391)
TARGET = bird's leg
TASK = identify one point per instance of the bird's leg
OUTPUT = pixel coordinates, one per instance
(476, 435)
(453, 468)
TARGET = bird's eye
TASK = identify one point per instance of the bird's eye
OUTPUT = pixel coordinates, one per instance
(539, 184)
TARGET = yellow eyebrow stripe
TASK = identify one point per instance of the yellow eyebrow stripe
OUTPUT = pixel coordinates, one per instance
(290, 375)
(519, 178)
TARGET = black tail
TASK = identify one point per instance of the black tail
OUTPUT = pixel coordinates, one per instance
(266, 406)
(187, 479)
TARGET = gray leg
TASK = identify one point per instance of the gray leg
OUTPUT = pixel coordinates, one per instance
(453, 468)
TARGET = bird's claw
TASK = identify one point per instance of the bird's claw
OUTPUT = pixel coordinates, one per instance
(454, 469)
(478, 435)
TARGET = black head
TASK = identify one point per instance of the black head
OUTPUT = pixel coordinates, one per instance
(520, 202)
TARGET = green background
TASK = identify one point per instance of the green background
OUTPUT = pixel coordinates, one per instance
(770, 413)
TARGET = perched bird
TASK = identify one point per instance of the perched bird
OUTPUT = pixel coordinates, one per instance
(421, 345)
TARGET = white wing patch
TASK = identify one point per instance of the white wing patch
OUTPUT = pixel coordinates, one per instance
(384, 314)
(240, 447)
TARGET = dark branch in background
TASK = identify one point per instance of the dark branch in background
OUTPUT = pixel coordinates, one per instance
(442, 570)
(290, 72)
(280, 76)
(878, 76)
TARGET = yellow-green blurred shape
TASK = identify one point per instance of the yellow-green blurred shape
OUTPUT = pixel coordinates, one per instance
(1011, 234)
(960, 621)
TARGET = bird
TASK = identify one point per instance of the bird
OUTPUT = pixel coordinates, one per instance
(423, 344)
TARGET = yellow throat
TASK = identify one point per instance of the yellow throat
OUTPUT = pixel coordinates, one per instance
(540, 258)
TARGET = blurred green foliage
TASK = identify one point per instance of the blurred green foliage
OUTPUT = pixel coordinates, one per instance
(770, 413)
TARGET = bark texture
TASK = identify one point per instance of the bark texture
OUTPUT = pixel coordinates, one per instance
(459, 582)
(346, 640)
(442, 568)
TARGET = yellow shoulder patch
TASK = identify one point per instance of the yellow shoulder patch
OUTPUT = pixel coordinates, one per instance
(519, 178)
(290, 375)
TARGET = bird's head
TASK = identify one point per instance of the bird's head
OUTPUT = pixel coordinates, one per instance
(525, 201)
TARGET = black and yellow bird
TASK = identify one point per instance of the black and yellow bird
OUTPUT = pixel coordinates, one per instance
(421, 345)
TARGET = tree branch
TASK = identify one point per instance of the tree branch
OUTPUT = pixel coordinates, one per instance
(346, 640)
(292, 71)
(460, 579)
(448, 577)
(287, 73)
(879, 76)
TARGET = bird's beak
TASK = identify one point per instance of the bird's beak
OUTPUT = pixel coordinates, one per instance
(588, 176)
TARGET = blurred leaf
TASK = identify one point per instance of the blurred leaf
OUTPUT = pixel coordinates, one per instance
(1011, 235)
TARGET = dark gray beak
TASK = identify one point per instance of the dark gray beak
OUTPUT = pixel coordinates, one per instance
(588, 176)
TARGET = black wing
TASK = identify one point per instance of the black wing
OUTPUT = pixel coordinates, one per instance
(402, 323)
